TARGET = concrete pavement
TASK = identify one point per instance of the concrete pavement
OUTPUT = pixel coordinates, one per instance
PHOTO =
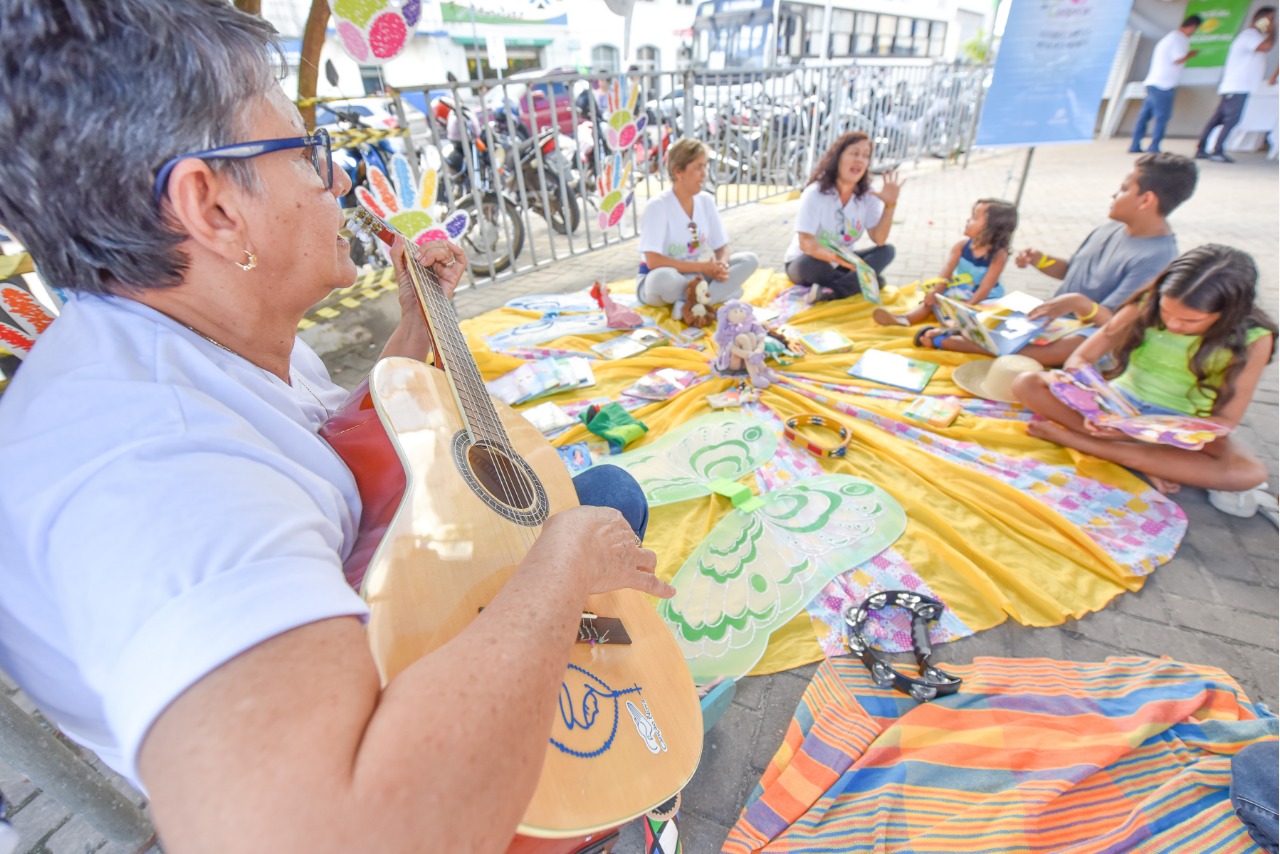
(1215, 603)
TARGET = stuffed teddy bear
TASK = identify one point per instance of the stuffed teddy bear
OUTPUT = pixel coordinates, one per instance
(697, 303)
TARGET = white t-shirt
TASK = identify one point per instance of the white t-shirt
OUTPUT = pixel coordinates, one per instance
(1245, 66)
(1165, 70)
(665, 228)
(822, 215)
(165, 506)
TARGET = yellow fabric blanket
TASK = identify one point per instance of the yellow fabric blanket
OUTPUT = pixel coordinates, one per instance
(1000, 524)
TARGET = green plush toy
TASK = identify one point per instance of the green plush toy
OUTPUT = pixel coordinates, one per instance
(613, 423)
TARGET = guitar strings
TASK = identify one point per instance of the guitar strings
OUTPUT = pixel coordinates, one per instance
(465, 381)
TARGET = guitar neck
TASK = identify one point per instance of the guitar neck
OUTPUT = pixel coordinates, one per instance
(452, 353)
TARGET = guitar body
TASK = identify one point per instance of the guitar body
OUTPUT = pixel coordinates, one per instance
(451, 520)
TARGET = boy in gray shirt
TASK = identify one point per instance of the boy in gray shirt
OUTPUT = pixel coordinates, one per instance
(1114, 261)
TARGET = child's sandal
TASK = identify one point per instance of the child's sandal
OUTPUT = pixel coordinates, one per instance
(936, 341)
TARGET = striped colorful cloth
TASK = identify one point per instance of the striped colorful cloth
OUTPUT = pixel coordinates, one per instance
(1132, 754)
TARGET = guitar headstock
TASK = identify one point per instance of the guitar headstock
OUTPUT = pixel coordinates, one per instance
(364, 219)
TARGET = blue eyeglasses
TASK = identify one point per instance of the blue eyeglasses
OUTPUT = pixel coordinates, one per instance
(317, 141)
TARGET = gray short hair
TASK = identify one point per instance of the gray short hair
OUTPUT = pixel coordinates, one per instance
(94, 97)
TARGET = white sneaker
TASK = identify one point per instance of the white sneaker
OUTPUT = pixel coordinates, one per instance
(815, 293)
(1244, 503)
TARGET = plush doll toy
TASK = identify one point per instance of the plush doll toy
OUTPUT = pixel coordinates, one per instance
(697, 303)
(740, 339)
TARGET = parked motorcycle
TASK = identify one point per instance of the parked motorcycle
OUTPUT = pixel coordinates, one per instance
(471, 183)
(550, 187)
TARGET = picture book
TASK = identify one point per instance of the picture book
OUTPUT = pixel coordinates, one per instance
(826, 341)
(577, 457)
(892, 369)
(517, 385)
(1085, 391)
(661, 384)
(867, 279)
(933, 411)
(999, 331)
(549, 418)
(542, 377)
(631, 344)
(1020, 301)
(763, 314)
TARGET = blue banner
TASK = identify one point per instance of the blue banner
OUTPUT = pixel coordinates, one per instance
(1055, 57)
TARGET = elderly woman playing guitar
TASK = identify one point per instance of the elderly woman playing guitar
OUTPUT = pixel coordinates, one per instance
(172, 527)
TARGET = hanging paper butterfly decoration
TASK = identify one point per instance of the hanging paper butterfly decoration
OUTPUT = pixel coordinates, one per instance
(374, 31)
(411, 210)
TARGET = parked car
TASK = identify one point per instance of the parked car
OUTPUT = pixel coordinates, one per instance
(538, 103)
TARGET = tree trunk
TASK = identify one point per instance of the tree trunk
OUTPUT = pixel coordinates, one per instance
(253, 7)
(309, 68)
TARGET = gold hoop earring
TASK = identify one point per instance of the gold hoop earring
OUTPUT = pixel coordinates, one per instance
(250, 263)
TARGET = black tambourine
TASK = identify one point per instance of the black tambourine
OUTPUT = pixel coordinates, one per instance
(931, 682)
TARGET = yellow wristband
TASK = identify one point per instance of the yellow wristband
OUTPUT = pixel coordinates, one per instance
(1044, 262)
(1091, 314)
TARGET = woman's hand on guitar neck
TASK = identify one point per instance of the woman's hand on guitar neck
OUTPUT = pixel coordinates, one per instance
(447, 261)
(602, 549)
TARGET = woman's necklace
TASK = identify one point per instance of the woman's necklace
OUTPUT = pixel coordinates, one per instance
(292, 375)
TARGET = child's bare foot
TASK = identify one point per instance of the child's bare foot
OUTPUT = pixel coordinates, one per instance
(1166, 487)
(884, 317)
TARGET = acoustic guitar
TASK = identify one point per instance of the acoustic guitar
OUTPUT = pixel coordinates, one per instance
(455, 488)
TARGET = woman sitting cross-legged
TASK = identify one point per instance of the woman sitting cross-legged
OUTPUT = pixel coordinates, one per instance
(1193, 342)
(678, 229)
(837, 207)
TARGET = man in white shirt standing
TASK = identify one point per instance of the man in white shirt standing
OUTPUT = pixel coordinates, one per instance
(1245, 68)
(1167, 60)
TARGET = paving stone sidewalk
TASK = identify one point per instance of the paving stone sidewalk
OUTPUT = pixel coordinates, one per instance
(1215, 603)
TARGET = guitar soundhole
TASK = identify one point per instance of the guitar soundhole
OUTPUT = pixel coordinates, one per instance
(502, 480)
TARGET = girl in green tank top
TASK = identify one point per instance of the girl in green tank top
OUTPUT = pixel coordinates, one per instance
(1192, 342)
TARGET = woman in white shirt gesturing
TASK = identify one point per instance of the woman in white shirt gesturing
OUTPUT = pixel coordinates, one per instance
(837, 207)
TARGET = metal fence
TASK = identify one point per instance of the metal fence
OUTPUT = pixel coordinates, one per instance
(526, 155)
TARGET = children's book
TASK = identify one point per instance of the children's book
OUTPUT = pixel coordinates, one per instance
(933, 411)
(1085, 391)
(542, 377)
(1020, 301)
(577, 457)
(661, 384)
(549, 418)
(867, 279)
(825, 342)
(999, 331)
(631, 344)
(763, 314)
(517, 385)
(892, 369)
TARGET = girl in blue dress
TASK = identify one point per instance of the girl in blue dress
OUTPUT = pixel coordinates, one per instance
(973, 268)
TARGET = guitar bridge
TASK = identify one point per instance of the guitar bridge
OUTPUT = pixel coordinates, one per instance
(601, 630)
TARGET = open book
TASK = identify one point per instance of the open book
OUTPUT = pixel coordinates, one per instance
(631, 344)
(1085, 391)
(998, 328)
(892, 369)
(867, 280)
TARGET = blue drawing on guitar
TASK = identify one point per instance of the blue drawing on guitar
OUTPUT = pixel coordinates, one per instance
(582, 703)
